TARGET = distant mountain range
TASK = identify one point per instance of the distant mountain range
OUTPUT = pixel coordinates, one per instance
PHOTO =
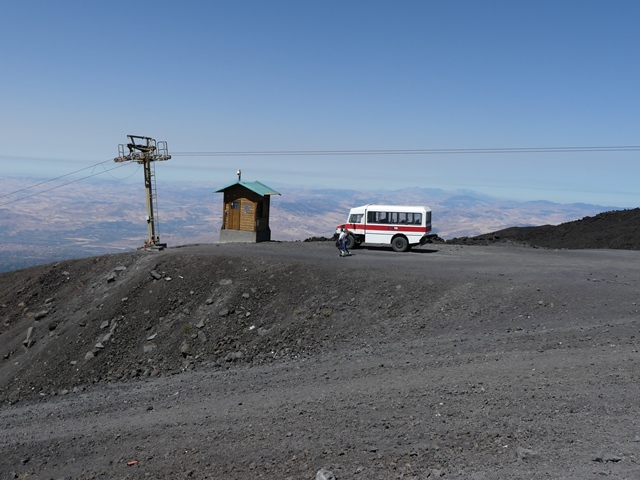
(100, 216)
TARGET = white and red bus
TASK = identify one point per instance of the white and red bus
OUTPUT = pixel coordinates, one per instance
(400, 226)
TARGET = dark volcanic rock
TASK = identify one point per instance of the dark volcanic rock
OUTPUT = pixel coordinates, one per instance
(614, 230)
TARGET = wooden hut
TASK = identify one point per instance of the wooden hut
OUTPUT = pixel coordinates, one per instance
(245, 216)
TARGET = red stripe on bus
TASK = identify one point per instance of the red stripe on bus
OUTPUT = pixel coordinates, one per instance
(387, 228)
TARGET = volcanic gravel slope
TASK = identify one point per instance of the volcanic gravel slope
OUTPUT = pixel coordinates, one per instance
(615, 229)
(277, 360)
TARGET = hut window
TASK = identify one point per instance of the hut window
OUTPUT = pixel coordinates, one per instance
(247, 209)
(235, 205)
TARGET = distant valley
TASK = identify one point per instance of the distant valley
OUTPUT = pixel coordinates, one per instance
(100, 216)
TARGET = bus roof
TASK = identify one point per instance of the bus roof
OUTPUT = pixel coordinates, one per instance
(390, 208)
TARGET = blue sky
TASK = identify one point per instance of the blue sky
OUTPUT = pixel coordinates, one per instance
(238, 76)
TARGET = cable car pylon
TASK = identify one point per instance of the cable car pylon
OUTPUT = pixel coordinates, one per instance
(145, 152)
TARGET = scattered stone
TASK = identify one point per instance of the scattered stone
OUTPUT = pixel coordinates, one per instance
(324, 474)
(104, 324)
(525, 453)
(233, 356)
(612, 458)
(226, 281)
(148, 348)
(209, 301)
(111, 277)
(152, 336)
(155, 275)
(246, 295)
(99, 346)
(185, 350)
(120, 268)
(202, 336)
(200, 324)
(49, 300)
(41, 314)
(606, 458)
(89, 356)
(28, 342)
(124, 299)
(223, 312)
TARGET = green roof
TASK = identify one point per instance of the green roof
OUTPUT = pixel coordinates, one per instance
(256, 187)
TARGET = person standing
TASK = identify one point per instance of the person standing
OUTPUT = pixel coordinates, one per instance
(342, 238)
(339, 247)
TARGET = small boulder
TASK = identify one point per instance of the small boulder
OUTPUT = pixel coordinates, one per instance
(185, 350)
(41, 314)
(324, 474)
(29, 341)
(525, 453)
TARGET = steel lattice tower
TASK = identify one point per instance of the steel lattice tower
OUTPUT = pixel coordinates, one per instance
(146, 153)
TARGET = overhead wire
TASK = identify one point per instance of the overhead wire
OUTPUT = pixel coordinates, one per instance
(54, 179)
(39, 192)
(440, 151)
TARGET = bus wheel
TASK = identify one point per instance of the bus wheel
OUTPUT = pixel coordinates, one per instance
(400, 244)
(351, 242)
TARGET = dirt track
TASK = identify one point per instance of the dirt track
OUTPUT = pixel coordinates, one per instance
(477, 362)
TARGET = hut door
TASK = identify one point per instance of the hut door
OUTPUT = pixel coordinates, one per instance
(234, 216)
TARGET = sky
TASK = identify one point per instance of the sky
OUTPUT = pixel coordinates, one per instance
(364, 75)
